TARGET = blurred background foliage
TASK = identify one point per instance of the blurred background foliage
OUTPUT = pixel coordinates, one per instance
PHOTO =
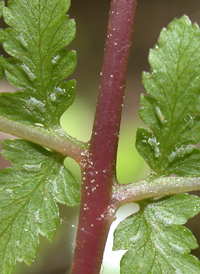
(91, 19)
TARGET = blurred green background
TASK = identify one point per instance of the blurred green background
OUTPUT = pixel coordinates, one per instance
(91, 20)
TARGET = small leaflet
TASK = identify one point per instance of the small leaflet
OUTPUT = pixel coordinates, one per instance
(38, 62)
(172, 105)
(155, 241)
(29, 194)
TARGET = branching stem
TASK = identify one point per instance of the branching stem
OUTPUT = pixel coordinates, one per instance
(55, 139)
(145, 189)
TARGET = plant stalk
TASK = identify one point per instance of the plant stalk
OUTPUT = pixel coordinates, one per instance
(55, 139)
(96, 211)
(145, 189)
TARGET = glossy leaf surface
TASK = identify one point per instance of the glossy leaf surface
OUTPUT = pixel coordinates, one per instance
(39, 32)
(172, 111)
(29, 193)
(156, 241)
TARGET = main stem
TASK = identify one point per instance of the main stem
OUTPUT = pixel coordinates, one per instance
(96, 211)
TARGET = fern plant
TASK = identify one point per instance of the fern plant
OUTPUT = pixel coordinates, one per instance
(154, 238)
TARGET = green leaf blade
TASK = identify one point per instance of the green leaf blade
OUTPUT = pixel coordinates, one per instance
(39, 32)
(155, 240)
(28, 200)
(171, 112)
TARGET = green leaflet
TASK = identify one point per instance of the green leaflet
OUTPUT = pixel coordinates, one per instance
(29, 192)
(172, 112)
(156, 241)
(39, 32)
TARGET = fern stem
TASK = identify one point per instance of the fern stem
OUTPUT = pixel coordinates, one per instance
(145, 189)
(55, 139)
(96, 214)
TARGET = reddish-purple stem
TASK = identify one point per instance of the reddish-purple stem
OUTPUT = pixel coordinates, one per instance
(96, 212)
